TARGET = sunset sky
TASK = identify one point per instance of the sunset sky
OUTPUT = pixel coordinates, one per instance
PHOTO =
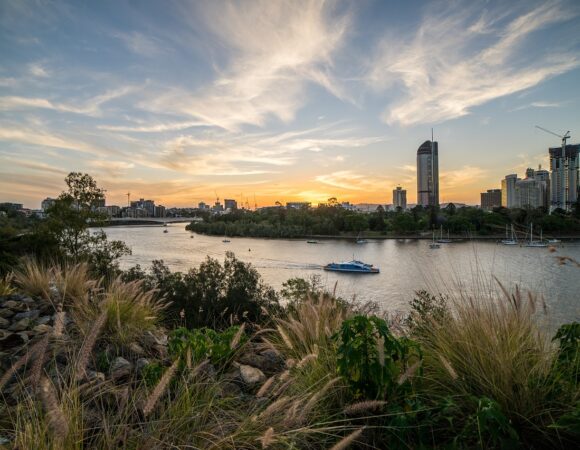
(179, 101)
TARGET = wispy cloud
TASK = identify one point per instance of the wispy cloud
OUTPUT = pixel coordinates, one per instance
(274, 49)
(90, 107)
(349, 180)
(540, 105)
(38, 70)
(141, 44)
(448, 67)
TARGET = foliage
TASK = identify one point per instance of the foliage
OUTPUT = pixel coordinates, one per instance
(427, 311)
(211, 295)
(371, 358)
(152, 373)
(568, 361)
(204, 343)
(332, 219)
(68, 221)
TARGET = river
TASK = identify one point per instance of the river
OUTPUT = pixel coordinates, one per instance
(406, 265)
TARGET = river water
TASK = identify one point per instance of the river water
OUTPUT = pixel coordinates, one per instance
(406, 265)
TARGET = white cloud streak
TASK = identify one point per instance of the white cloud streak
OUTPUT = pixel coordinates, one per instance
(460, 58)
(274, 49)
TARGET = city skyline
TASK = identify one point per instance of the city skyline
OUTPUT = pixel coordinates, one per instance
(285, 101)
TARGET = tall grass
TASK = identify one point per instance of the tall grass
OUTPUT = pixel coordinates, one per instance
(494, 348)
(6, 287)
(34, 278)
(131, 311)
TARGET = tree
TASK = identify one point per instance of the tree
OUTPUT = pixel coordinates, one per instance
(69, 220)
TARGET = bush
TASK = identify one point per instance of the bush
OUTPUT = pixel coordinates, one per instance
(372, 359)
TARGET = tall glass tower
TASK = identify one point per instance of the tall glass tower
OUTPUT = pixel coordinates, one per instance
(428, 174)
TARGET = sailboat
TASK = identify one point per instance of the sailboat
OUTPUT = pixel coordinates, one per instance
(444, 241)
(360, 239)
(434, 244)
(512, 240)
(533, 243)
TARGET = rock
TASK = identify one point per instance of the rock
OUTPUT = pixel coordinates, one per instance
(24, 336)
(120, 368)
(6, 313)
(4, 323)
(230, 390)
(151, 340)
(44, 320)
(21, 325)
(10, 304)
(41, 329)
(16, 306)
(141, 363)
(269, 361)
(28, 300)
(94, 375)
(32, 314)
(136, 348)
(250, 375)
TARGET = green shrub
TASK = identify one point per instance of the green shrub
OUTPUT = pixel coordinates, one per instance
(205, 343)
(372, 359)
(568, 361)
(152, 373)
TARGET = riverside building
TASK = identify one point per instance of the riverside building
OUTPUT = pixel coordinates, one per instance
(564, 166)
(428, 174)
(399, 198)
(491, 199)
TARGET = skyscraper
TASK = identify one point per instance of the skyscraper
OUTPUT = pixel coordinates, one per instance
(508, 191)
(399, 198)
(564, 165)
(428, 174)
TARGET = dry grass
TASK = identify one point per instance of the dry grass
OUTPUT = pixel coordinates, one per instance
(493, 348)
(74, 284)
(6, 287)
(34, 278)
(131, 311)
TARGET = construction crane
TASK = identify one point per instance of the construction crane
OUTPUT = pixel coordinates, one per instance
(564, 138)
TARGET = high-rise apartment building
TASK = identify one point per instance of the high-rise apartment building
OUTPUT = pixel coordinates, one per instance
(530, 193)
(491, 199)
(428, 174)
(230, 204)
(544, 175)
(399, 198)
(508, 191)
(564, 165)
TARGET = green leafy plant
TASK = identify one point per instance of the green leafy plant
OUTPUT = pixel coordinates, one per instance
(489, 426)
(152, 373)
(568, 362)
(205, 343)
(372, 360)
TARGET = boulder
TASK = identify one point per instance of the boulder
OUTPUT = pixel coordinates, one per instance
(21, 325)
(228, 389)
(94, 375)
(120, 368)
(268, 361)
(4, 323)
(250, 375)
(11, 304)
(6, 313)
(136, 348)
(140, 364)
(41, 329)
(43, 320)
(32, 314)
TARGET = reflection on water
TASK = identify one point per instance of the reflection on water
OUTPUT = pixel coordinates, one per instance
(406, 265)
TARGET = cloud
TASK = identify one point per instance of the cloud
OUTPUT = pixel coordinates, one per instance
(44, 138)
(113, 168)
(273, 49)
(37, 70)
(90, 107)
(540, 105)
(349, 180)
(153, 128)
(457, 60)
(140, 44)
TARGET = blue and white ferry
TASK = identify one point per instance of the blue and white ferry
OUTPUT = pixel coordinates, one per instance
(352, 267)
